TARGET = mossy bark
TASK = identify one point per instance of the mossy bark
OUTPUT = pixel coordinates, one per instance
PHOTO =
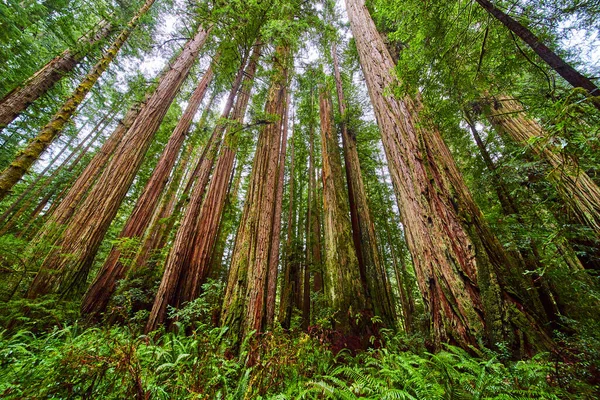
(342, 278)
(17, 100)
(373, 273)
(32, 152)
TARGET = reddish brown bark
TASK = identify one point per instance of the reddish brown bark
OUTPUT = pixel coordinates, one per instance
(170, 210)
(178, 285)
(98, 294)
(288, 287)
(373, 273)
(343, 284)
(16, 101)
(276, 239)
(26, 158)
(66, 266)
(244, 303)
(468, 282)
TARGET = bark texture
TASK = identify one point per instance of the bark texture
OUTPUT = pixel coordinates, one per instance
(65, 268)
(182, 278)
(98, 294)
(17, 100)
(373, 273)
(244, 302)
(276, 239)
(289, 286)
(468, 282)
(343, 284)
(32, 152)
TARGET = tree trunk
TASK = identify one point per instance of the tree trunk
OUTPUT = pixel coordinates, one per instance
(286, 303)
(343, 284)
(574, 186)
(468, 282)
(276, 239)
(373, 273)
(33, 217)
(100, 291)
(47, 182)
(66, 267)
(178, 285)
(244, 302)
(551, 58)
(17, 100)
(32, 152)
(167, 216)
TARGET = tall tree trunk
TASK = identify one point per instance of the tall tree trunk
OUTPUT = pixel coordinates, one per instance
(100, 291)
(244, 302)
(373, 273)
(551, 58)
(77, 192)
(49, 181)
(163, 223)
(32, 152)
(172, 289)
(286, 304)
(66, 267)
(574, 186)
(42, 175)
(193, 243)
(17, 100)
(468, 282)
(343, 284)
(405, 283)
(276, 239)
(530, 256)
(33, 217)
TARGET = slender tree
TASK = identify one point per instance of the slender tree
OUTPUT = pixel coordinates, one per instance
(66, 266)
(17, 100)
(26, 158)
(244, 302)
(574, 186)
(373, 273)
(189, 259)
(561, 67)
(276, 239)
(100, 291)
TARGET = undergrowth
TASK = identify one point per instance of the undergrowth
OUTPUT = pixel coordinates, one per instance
(192, 361)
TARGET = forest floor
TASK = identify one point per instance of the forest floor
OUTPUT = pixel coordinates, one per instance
(51, 355)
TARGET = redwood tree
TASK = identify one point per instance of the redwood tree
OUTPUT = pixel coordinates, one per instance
(65, 268)
(100, 291)
(373, 273)
(468, 282)
(186, 269)
(244, 303)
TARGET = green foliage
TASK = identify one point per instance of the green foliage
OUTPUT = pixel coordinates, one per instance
(116, 363)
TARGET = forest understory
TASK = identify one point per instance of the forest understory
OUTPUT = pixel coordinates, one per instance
(285, 199)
